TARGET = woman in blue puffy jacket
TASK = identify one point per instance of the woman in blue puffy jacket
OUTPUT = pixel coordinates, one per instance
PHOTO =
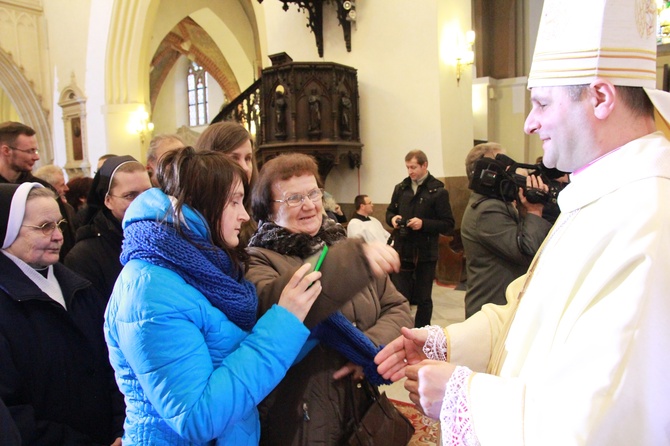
(188, 352)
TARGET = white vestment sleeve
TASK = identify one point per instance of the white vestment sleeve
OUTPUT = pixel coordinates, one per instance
(470, 343)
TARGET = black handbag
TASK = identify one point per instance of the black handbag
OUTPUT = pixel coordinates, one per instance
(382, 424)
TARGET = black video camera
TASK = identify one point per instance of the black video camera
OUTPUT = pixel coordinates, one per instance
(497, 178)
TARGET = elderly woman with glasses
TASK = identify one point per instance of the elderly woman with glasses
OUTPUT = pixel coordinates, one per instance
(55, 377)
(317, 400)
(95, 256)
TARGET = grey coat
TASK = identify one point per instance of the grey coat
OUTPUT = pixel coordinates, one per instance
(499, 246)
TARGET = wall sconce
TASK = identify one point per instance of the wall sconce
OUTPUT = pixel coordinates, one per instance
(465, 55)
(139, 123)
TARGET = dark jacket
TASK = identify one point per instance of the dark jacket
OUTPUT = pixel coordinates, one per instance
(431, 205)
(95, 256)
(9, 433)
(499, 246)
(336, 217)
(56, 379)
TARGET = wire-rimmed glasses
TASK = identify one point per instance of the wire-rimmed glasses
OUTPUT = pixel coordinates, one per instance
(294, 200)
(28, 151)
(49, 227)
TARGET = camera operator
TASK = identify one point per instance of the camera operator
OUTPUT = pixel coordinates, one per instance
(500, 237)
(419, 212)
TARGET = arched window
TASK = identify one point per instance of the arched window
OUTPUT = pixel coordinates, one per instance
(197, 95)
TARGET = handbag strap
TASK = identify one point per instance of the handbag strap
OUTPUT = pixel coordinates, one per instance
(371, 391)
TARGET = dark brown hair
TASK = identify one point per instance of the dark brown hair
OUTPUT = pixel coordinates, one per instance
(359, 201)
(79, 188)
(281, 168)
(10, 130)
(205, 181)
(420, 156)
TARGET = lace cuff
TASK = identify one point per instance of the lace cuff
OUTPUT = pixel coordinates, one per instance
(456, 423)
(436, 344)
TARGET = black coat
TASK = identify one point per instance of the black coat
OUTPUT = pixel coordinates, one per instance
(9, 433)
(95, 256)
(431, 205)
(55, 376)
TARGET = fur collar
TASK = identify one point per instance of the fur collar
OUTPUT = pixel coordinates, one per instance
(281, 240)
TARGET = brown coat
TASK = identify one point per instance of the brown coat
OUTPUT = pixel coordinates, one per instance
(308, 407)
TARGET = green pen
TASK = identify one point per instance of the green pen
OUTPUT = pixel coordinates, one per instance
(319, 262)
(321, 257)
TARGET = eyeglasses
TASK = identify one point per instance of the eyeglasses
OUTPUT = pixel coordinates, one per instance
(49, 227)
(294, 200)
(130, 196)
(28, 151)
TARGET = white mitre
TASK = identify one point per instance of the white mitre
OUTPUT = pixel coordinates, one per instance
(581, 40)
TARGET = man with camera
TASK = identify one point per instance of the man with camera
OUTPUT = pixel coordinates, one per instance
(500, 234)
(419, 212)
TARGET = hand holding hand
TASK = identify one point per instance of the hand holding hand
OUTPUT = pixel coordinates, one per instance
(426, 383)
(301, 291)
(382, 258)
(406, 349)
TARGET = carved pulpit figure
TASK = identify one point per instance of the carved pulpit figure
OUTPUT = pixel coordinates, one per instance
(280, 114)
(345, 115)
(314, 112)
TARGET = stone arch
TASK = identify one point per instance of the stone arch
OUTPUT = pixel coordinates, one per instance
(127, 66)
(128, 62)
(27, 103)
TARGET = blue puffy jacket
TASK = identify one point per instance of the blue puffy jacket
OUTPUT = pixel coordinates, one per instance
(189, 375)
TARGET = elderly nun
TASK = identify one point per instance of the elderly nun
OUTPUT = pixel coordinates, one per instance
(56, 379)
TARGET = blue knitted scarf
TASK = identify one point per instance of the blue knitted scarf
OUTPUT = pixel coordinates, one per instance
(336, 332)
(201, 264)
